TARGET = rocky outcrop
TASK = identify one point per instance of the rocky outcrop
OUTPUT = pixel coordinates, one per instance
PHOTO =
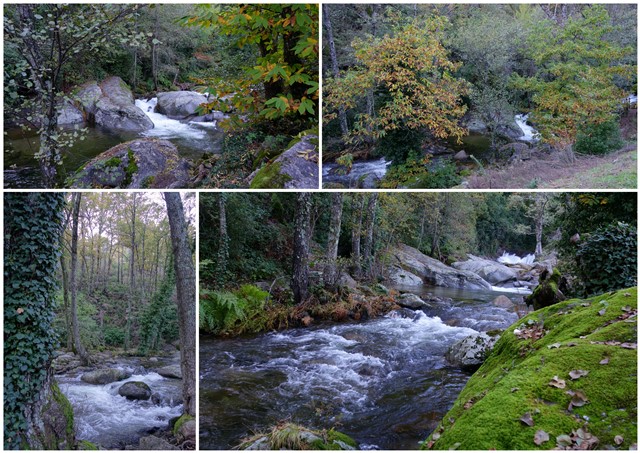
(139, 164)
(432, 271)
(398, 276)
(105, 376)
(135, 390)
(154, 443)
(493, 272)
(170, 371)
(470, 352)
(409, 300)
(65, 362)
(548, 292)
(296, 168)
(180, 104)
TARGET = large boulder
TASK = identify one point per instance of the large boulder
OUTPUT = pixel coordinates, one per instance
(434, 272)
(179, 104)
(503, 302)
(489, 270)
(170, 371)
(398, 276)
(548, 292)
(135, 390)
(154, 443)
(144, 163)
(470, 352)
(409, 300)
(105, 376)
(116, 108)
(296, 168)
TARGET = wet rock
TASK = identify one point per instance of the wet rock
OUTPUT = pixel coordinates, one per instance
(105, 376)
(491, 271)
(503, 302)
(139, 164)
(433, 271)
(135, 390)
(116, 108)
(180, 104)
(296, 168)
(155, 443)
(409, 300)
(170, 371)
(403, 313)
(398, 276)
(470, 352)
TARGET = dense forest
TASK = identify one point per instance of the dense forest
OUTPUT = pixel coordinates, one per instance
(480, 96)
(352, 311)
(202, 95)
(100, 319)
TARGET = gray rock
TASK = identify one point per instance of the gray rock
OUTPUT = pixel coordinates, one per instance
(186, 432)
(170, 371)
(157, 166)
(475, 125)
(433, 271)
(135, 390)
(296, 168)
(403, 313)
(398, 276)
(460, 155)
(472, 351)
(180, 104)
(155, 443)
(70, 114)
(409, 300)
(346, 280)
(503, 302)
(105, 376)
(491, 271)
(116, 108)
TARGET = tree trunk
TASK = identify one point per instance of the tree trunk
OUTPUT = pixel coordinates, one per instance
(300, 277)
(132, 273)
(330, 274)
(65, 299)
(356, 235)
(367, 249)
(223, 246)
(186, 290)
(77, 343)
(335, 68)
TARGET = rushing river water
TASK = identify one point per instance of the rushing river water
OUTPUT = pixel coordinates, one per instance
(385, 381)
(192, 140)
(104, 417)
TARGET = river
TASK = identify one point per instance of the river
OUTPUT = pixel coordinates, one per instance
(107, 419)
(192, 140)
(385, 382)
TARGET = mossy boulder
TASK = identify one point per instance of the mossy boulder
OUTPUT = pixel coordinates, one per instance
(135, 390)
(57, 431)
(139, 164)
(288, 436)
(568, 371)
(105, 376)
(185, 429)
(548, 290)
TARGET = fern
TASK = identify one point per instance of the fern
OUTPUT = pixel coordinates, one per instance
(220, 310)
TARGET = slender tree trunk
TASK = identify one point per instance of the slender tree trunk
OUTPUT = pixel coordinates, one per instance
(356, 235)
(300, 277)
(186, 289)
(77, 344)
(132, 273)
(65, 299)
(335, 68)
(367, 249)
(223, 246)
(330, 273)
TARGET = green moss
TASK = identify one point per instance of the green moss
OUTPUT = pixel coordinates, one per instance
(113, 162)
(269, 177)
(86, 445)
(148, 181)
(181, 421)
(131, 169)
(515, 380)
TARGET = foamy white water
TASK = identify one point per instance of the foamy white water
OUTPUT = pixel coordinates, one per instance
(528, 132)
(165, 127)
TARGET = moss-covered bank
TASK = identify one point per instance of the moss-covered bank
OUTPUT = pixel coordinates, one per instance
(525, 385)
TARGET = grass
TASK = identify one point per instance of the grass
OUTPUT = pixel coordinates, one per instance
(515, 380)
(289, 436)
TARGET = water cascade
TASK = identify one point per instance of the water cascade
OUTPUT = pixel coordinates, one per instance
(528, 133)
(363, 174)
(508, 258)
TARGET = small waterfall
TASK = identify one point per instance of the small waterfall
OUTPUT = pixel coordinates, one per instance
(165, 127)
(529, 133)
(509, 258)
(363, 174)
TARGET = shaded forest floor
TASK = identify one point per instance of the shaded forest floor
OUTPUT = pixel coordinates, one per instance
(617, 170)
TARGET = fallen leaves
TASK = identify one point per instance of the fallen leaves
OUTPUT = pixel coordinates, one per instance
(527, 419)
(577, 374)
(618, 439)
(532, 332)
(578, 399)
(604, 361)
(554, 345)
(617, 343)
(557, 383)
(540, 437)
(578, 440)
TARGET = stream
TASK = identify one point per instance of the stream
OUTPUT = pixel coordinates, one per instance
(385, 382)
(110, 420)
(192, 140)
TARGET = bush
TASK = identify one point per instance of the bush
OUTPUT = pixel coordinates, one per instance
(398, 145)
(599, 138)
(232, 312)
(113, 336)
(415, 173)
(606, 259)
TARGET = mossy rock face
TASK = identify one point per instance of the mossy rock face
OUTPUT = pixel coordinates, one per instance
(289, 436)
(548, 290)
(56, 430)
(568, 370)
(86, 445)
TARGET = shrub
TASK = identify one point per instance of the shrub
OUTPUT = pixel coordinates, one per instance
(398, 145)
(232, 312)
(113, 336)
(607, 260)
(599, 138)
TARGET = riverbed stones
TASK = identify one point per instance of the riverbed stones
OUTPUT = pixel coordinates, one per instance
(155, 443)
(470, 352)
(409, 300)
(432, 271)
(503, 302)
(135, 390)
(170, 371)
(143, 163)
(179, 104)
(105, 376)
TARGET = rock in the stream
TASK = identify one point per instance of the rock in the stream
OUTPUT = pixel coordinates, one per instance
(135, 390)
(116, 108)
(548, 291)
(105, 376)
(503, 302)
(491, 271)
(179, 104)
(471, 352)
(65, 362)
(404, 313)
(144, 163)
(409, 300)
(433, 271)
(170, 371)
(155, 443)
(296, 168)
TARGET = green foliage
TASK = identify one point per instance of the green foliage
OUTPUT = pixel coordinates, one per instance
(159, 320)
(113, 336)
(599, 138)
(32, 228)
(399, 144)
(607, 258)
(239, 311)
(416, 173)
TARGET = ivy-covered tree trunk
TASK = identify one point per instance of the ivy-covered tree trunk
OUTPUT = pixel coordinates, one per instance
(300, 275)
(186, 289)
(330, 273)
(76, 198)
(36, 415)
